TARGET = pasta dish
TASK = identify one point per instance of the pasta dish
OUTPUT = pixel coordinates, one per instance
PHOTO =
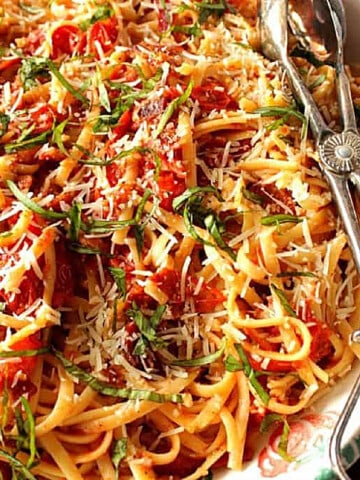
(174, 277)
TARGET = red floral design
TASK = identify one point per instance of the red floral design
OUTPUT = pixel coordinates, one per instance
(303, 435)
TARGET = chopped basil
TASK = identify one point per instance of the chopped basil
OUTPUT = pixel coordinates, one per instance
(199, 362)
(233, 364)
(316, 83)
(213, 8)
(101, 13)
(282, 446)
(147, 327)
(17, 467)
(57, 136)
(28, 142)
(112, 391)
(103, 163)
(194, 30)
(216, 229)
(74, 215)
(107, 226)
(65, 83)
(283, 300)
(171, 108)
(4, 122)
(126, 99)
(295, 274)
(119, 277)
(253, 197)
(34, 207)
(118, 453)
(24, 353)
(103, 94)
(181, 200)
(283, 112)
(23, 441)
(274, 220)
(26, 439)
(190, 205)
(76, 247)
(34, 67)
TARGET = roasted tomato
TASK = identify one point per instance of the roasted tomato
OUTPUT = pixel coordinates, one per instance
(103, 34)
(11, 366)
(170, 187)
(213, 96)
(42, 119)
(66, 40)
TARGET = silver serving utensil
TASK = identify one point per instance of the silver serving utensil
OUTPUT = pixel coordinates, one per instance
(339, 152)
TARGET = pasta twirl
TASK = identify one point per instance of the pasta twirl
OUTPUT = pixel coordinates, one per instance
(172, 266)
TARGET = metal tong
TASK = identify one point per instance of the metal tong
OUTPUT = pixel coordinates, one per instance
(339, 157)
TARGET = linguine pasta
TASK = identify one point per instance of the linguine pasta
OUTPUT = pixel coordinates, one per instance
(174, 277)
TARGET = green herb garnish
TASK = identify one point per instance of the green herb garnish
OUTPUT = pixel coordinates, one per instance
(24, 353)
(213, 8)
(147, 327)
(190, 204)
(28, 142)
(171, 108)
(275, 220)
(74, 215)
(316, 83)
(111, 391)
(118, 453)
(119, 276)
(283, 112)
(34, 67)
(253, 197)
(233, 364)
(295, 274)
(17, 467)
(101, 13)
(58, 131)
(4, 122)
(283, 300)
(34, 207)
(201, 361)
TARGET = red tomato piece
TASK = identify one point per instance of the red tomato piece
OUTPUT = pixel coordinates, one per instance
(65, 40)
(11, 366)
(103, 33)
(34, 40)
(123, 125)
(43, 119)
(170, 187)
(9, 63)
(213, 96)
(321, 346)
(168, 281)
(208, 299)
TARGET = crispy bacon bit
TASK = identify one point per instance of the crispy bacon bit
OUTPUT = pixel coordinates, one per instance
(276, 200)
(213, 96)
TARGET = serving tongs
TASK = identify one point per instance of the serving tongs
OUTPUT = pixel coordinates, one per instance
(339, 153)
